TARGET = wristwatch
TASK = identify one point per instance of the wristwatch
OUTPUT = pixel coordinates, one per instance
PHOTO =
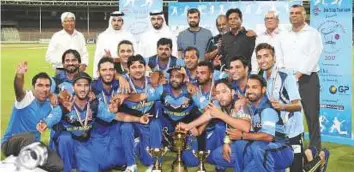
(227, 140)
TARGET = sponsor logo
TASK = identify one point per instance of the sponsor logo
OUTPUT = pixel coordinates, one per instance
(343, 89)
(329, 106)
(332, 32)
(333, 89)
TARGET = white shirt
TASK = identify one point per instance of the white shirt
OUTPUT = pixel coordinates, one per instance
(62, 41)
(148, 40)
(302, 50)
(273, 39)
(109, 40)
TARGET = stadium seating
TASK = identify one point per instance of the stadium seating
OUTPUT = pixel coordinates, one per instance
(10, 34)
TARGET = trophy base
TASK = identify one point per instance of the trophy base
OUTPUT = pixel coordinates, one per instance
(179, 167)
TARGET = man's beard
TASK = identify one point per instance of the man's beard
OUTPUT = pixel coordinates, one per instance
(71, 70)
(193, 24)
(157, 26)
(176, 86)
(107, 82)
(116, 28)
(227, 105)
(82, 98)
(256, 98)
(202, 82)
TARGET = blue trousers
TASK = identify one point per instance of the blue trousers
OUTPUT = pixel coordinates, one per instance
(236, 157)
(75, 154)
(150, 136)
(112, 145)
(214, 139)
(268, 157)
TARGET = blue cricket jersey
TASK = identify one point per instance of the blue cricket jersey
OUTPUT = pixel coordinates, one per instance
(177, 107)
(25, 116)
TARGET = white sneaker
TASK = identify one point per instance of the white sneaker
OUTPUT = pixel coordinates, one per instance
(149, 169)
(132, 168)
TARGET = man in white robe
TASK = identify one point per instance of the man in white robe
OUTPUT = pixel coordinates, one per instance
(157, 30)
(108, 40)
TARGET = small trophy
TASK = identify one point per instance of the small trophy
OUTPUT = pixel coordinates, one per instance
(201, 155)
(156, 153)
(179, 145)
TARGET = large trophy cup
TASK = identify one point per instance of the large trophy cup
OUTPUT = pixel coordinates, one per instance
(201, 155)
(179, 146)
(156, 153)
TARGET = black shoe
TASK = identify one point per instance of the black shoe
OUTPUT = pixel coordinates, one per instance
(313, 165)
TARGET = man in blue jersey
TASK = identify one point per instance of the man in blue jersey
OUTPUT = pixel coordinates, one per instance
(215, 129)
(29, 108)
(238, 74)
(180, 102)
(105, 88)
(191, 60)
(73, 124)
(267, 148)
(71, 61)
(149, 134)
(284, 96)
(163, 60)
(223, 110)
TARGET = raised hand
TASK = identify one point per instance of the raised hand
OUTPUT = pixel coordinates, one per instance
(41, 126)
(22, 68)
(217, 60)
(53, 99)
(65, 99)
(82, 67)
(192, 89)
(92, 96)
(107, 53)
(240, 103)
(157, 78)
(214, 110)
(145, 118)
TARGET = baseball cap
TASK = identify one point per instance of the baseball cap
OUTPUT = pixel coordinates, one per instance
(82, 75)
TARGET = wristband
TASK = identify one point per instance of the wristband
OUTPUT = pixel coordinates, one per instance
(227, 140)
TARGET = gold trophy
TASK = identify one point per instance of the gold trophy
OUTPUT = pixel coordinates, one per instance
(179, 146)
(156, 153)
(201, 155)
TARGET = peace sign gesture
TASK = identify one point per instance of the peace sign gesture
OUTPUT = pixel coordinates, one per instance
(22, 68)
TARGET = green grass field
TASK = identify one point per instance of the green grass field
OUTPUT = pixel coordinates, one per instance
(341, 159)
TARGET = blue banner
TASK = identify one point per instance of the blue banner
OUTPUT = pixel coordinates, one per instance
(333, 19)
(136, 18)
(253, 13)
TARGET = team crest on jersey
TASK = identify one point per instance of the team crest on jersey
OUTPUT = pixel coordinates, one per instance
(256, 122)
(185, 103)
(72, 119)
